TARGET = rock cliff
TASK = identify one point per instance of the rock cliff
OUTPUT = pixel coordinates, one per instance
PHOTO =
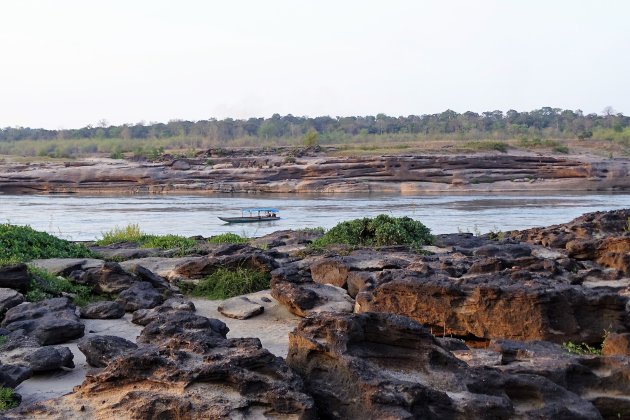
(276, 174)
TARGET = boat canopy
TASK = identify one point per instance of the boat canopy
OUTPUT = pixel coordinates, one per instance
(262, 209)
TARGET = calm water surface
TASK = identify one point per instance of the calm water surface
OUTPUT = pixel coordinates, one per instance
(85, 218)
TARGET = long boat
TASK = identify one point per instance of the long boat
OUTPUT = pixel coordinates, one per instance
(254, 215)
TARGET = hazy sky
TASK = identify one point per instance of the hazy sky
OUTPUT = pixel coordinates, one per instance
(66, 64)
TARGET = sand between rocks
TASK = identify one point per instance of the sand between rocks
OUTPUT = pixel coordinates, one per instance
(271, 327)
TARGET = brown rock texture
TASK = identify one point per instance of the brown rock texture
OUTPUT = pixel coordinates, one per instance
(616, 345)
(401, 174)
(185, 368)
(384, 366)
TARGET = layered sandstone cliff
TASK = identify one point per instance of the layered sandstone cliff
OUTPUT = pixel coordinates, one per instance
(280, 174)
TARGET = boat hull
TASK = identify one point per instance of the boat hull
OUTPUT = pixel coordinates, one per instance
(248, 219)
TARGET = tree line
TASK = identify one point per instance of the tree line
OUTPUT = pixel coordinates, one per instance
(547, 121)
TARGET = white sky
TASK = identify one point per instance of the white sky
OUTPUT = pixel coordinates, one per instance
(66, 64)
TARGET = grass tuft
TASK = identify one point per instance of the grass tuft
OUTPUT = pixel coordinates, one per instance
(132, 234)
(228, 238)
(225, 283)
(8, 399)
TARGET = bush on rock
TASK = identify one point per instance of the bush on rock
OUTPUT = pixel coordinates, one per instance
(380, 231)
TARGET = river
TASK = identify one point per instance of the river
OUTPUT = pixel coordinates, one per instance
(87, 217)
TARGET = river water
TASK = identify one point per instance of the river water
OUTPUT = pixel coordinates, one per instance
(87, 217)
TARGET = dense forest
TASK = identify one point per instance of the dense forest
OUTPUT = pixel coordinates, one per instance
(557, 123)
(543, 123)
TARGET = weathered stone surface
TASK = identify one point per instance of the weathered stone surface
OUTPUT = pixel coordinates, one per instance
(494, 307)
(100, 350)
(227, 256)
(123, 252)
(9, 298)
(142, 295)
(147, 275)
(240, 307)
(330, 271)
(188, 371)
(392, 174)
(65, 266)
(51, 321)
(397, 369)
(145, 316)
(604, 381)
(109, 278)
(44, 359)
(616, 345)
(15, 277)
(103, 310)
(303, 299)
(13, 375)
(282, 238)
(21, 349)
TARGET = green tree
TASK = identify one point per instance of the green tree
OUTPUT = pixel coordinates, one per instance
(311, 138)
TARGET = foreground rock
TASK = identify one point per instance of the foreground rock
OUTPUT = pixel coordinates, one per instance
(304, 299)
(490, 307)
(100, 350)
(9, 298)
(103, 310)
(240, 307)
(170, 306)
(51, 321)
(186, 369)
(398, 370)
(15, 277)
(21, 349)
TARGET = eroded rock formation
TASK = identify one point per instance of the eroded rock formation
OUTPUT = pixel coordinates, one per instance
(399, 174)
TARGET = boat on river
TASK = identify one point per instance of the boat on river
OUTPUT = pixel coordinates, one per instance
(265, 214)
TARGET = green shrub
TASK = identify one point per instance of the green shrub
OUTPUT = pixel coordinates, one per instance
(132, 233)
(581, 349)
(379, 231)
(227, 238)
(168, 242)
(23, 243)
(129, 233)
(487, 145)
(7, 399)
(561, 148)
(225, 283)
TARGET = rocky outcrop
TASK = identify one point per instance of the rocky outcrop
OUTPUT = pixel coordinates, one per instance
(376, 366)
(142, 295)
(9, 298)
(399, 174)
(186, 368)
(103, 310)
(21, 349)
(491, 307)
(100, 350)
(15, 277)
(616, 345)
(51, 321)
(304, 299)
(170, 306)
(108, 278)
(196, 267)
